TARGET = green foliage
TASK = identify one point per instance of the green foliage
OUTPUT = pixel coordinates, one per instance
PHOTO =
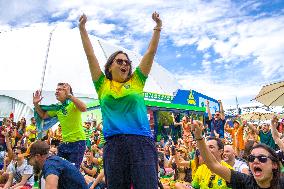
(164, 118)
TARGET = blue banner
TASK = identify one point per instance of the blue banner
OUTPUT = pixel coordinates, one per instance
(193, 98)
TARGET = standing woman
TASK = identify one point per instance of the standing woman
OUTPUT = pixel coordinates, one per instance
(130, 156)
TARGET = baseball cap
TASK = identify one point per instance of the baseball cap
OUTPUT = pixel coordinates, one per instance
(38, 147)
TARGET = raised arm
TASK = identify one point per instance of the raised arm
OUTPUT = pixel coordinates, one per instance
(222, 113)
(181, 163)
(36, 100)
(207, 156)
(253, 128)
(148, 58)
(77, 102)
(98, 179)
(208, 110)
(275, 133)
(89, 51)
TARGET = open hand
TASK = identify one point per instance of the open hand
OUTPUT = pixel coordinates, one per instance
(37, 97)
(156, 18)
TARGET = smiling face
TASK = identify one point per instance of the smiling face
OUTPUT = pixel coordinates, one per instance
(217, 115)
(8, 122)
(213, 147)
(18, 156)
(265, 128)
(229, 154)
(60, 93)
(120, 68)
(262, 171)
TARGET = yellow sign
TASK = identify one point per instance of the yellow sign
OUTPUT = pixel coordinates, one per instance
(190, 99)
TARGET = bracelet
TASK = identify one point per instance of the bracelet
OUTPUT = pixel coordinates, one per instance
(199, 138)
(157, 28)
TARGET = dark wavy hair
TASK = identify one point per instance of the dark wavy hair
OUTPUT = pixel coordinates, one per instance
(274, 183)
(110, 61)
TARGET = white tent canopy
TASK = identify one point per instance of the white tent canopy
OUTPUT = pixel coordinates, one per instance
(23, 53)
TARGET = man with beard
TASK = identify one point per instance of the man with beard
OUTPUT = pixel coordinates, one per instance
(57, 172)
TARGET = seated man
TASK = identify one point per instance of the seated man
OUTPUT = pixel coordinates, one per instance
(20, 173)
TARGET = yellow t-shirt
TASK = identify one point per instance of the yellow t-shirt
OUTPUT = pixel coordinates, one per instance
(203, 175)
(29, 129)
(71, 123)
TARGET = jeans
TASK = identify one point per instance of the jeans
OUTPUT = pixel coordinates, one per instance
(130, 159)
(73, 151)
(99, 186)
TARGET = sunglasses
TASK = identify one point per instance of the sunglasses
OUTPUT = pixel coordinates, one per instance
(210, 183)
(261, 158)
(217, 114)
(120, 61)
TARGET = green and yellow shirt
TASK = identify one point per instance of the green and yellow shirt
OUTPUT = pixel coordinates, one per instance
(71, 123)
(122, 105)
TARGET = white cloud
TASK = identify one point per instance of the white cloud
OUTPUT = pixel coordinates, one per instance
(204, 43)
(219, 27)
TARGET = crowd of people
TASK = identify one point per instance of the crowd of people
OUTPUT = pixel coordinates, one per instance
(121, 152)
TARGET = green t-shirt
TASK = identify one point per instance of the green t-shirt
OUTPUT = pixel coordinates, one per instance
(266, 138)
(71, 123)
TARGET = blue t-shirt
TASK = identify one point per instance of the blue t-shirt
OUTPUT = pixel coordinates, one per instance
(218, 126)
(69, 176)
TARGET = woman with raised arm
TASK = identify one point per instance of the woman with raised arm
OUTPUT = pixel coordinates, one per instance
(263, 163)
(130, 156)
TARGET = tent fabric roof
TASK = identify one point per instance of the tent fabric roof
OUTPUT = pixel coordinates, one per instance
(66, 61)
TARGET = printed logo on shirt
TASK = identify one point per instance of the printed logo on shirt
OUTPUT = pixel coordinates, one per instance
(219, 182)
(127, 86)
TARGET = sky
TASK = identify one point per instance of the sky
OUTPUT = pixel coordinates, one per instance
(223, 49)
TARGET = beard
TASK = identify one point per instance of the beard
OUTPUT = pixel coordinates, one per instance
(36, 168)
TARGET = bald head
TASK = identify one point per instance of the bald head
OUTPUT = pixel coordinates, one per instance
(229, 154)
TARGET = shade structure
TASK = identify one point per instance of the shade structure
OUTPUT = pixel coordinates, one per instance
(272, 94)
(260, 116)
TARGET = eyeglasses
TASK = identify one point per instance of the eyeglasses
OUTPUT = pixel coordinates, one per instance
(261, 158)
(210, 183)
(120, 61)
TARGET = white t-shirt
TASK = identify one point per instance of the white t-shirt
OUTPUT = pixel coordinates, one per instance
(240, 165)
(19, 171)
